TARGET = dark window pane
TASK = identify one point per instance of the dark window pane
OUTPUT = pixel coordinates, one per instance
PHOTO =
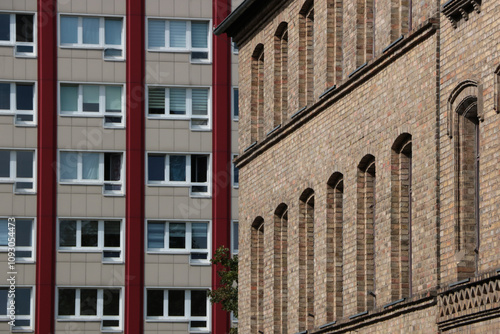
(111, 302)
(89, 233)
(23, 301)
(4, 96)
(156, 100)
(236, 98)
(3, 301)
(112, 166)
(23, 232)
(199, 256)
(199, 235)
(24, 96)
(20, 254)
(198, 303)
(110, 323)
(24, 28)
(4, 27)
(90, 98)
(198, 324)
(235, 236)
(236, 175)
(22, 323)
(111, 234)
(155, 303)
(176, 303)
(88, 301)
(199, 165)
(177, 168)
(24, 164)
(67, 233)
(156, 235)
(177, 233)
(156, 168)
(67, 301)
(4, 163)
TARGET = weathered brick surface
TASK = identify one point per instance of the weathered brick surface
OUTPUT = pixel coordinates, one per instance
(408, 95)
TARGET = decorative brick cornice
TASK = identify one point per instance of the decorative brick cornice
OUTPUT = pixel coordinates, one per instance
(374, 66)
(474, 300)
(455, 10)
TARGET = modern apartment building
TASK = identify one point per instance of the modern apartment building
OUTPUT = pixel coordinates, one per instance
(118, 123)
(369, 152)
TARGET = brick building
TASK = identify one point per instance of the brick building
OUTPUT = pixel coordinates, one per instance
(117, 133)
(369, 152)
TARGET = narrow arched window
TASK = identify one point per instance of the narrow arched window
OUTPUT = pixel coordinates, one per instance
(281, 269)
(334, 237)
(257, 95)
(281, 74)
(306, 260)
(401, 217)
(365, 240)
(400, 18)
(467, 154)
(364, 31)
(306, 54)
(257, 273)
(334, 48)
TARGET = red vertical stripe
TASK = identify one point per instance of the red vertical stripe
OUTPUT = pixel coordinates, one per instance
(47, 150)
(134, 247)
(221, 142)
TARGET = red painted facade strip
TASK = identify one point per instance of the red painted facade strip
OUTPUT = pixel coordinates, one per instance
(134, 247)
(221, 143)
(46, 153)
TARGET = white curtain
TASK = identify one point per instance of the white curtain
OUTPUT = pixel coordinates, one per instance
(90, 166)
(90, 30)
(69, 30)
(69, 98)
(113, 31)
(156, 33)
(69, 165)
(177, 34)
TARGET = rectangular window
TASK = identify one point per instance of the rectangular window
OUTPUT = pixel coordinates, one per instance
(180, 170)
(92, 235)
(234, 237)
(18, 167)
(181, 103)
(23, 307)
(18, 30)
(178, 305)
(236, 173)
(180, 238)
(23, 231)
(102, 33)
(91, 304)
(234, 47)
(105, 101)
(18, 99)
(235, 105)
(93, 168)
(180, 36)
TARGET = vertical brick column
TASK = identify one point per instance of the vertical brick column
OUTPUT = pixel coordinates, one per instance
(134, 246)
(221, 143)
(46, 167)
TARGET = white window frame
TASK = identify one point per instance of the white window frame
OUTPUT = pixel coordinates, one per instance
(30, 317)
(102, 103)
(189, 107)
(13, 103)
(99, 317)
(5, 249)
(12, 42)
(13, 170)
(100, 181)
(235, 118)
(187, 318)
(188, 240)
(101, 46)
(188, 48)
(100, 248)
(186, 183)
(233, 250)
(236, 185)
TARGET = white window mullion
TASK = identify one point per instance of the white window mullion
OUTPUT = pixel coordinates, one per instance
(187, 303)
(80, 98)
(102, 99)
(165, 303)
(100, 234)
(12, 28)
(189, 234)
(167, 236)
(77, 302)
(167, 34)
(13, 165)
(188, 169)
(80, 30)
(78, 233)
(100, 307)
(79, 167)
(189, 102)
(188, 36)
(167, 101)
(13, 104)
(101, 167)
(102, 41)
(167, 168)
